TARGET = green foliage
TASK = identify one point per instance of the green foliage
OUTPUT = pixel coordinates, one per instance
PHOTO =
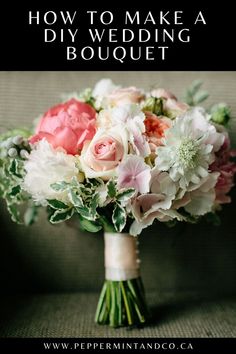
(111, 187)
(56, 204)
(61, 215)
(125, 195)
(88, 225)
(30, 215)
(85, 201)
(15, 168)
(19, 203)
(75, 199)
(220, 113)
(11, 175)
(86, 96)
(119, 217)
(154, 105)
(194, 95)
(60, 186)
(14, 212)
(24, 132)
(97, 204)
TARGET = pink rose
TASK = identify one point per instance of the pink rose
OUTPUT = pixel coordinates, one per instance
(123, 96)
(67, 125)
(227, 171)
(101, 156)
(162, 93)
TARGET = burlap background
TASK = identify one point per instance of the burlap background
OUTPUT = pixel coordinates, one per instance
(197, 259)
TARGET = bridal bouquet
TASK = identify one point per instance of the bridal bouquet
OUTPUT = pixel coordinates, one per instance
(119, 159)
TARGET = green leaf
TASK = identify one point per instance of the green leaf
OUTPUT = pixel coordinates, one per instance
(111, 187)
(30, 215)
(193, 95)
(125, 195)
(88, 225)
(85, 212)
(119, 218)
(94, 204)
(15, 190)
(107, 225)
(76, 199)
(57, 204)
(195, 86)
(200, 97)
(75, 182)
(95, 182)
(14, 168)
(59, 186)
(14, 212)
(61, 215)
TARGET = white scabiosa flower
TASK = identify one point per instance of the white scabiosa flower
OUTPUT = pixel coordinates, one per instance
(45, 166)
(189, 147)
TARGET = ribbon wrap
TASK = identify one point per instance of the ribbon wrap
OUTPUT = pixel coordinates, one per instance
(121, 256)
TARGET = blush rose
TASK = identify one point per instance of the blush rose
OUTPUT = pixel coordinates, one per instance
(101, 155)
(123, 96)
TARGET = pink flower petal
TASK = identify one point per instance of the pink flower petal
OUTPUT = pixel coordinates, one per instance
(134, 173)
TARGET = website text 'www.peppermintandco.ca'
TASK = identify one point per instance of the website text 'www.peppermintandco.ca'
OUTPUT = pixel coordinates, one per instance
(90, 346)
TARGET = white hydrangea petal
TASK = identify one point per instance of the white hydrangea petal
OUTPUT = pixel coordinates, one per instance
(209, 182)
(201, 203)
(136, 228)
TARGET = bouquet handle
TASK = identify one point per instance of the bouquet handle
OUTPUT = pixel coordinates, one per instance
(122, 300)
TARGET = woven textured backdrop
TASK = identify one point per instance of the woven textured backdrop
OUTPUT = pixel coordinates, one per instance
(59, 258)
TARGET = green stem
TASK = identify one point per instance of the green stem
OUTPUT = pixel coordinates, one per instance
(126, 304)
(119, 303)
(113, 319)
(137, 303)
(122, 303)
(107, 226)
(101, 299)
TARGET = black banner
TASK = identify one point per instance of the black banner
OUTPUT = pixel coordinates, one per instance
(81, 36)
(118, 345)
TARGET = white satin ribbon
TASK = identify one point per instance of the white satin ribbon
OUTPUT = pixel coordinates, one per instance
(121, 256)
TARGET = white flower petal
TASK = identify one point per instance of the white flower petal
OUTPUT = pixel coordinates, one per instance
(201, 203)
(46, 166)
